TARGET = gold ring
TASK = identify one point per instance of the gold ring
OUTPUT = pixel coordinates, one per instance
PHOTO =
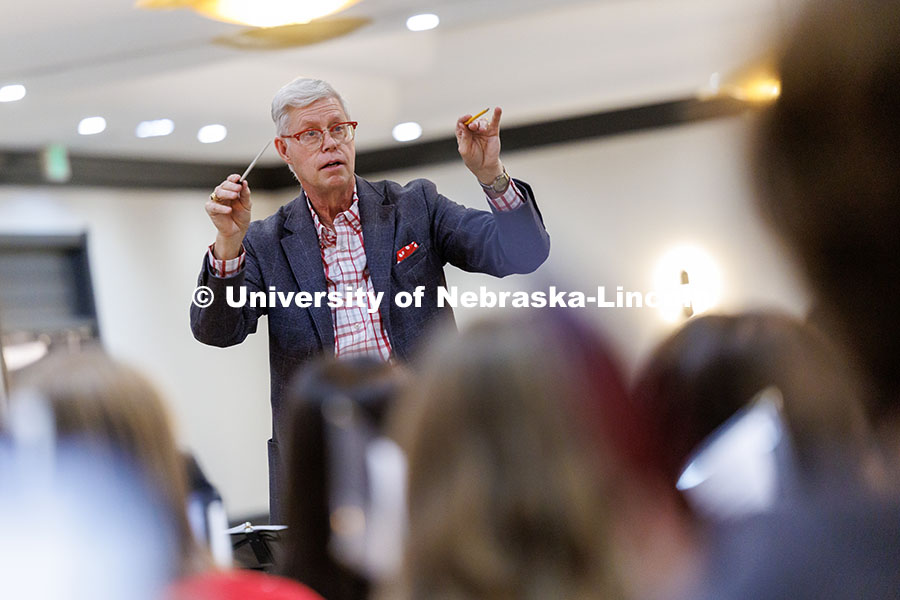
(213, 197)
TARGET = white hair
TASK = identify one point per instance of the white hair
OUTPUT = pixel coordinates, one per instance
(297, 94)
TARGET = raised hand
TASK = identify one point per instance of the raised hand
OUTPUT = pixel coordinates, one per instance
(228, 208)
(479, 146)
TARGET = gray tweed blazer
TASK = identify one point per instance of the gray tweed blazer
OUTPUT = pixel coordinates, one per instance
(283, 251)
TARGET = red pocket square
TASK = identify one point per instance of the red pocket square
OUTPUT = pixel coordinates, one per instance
(405, 252)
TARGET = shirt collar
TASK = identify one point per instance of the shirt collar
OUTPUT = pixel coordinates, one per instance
(327, 236)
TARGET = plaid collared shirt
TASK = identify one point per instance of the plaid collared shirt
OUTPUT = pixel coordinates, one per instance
(356, 330)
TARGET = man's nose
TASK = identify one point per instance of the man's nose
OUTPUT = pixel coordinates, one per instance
(328, 141)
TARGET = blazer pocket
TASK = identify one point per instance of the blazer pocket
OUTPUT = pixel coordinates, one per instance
(407, 251)
(411, 261)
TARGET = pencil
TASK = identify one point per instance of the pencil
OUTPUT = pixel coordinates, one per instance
(472, 118)
(253, 164)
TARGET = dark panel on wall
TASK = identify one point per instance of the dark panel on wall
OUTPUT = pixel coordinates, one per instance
(24, 168)
(45, 285)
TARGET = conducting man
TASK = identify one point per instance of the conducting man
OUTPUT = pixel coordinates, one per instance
(350, 236)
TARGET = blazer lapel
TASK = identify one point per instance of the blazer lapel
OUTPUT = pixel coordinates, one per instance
(377, 220)
(301, 247)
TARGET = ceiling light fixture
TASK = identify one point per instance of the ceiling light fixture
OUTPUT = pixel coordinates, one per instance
(91, 125)
(157, 128)
(422, 22)
(210, 134)
(256, 13)
(11, 93)
(292, 36)
(407, 132)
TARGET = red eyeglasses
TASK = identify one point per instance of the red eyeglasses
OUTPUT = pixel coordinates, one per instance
(312, 138)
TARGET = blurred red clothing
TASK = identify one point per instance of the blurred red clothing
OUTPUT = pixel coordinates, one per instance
(239, 585)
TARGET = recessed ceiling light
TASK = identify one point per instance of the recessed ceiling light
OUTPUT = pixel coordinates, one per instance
(156, 128)
(406, 132)
(422, 22)
(210, 134)
(11, 93)
(91, 125)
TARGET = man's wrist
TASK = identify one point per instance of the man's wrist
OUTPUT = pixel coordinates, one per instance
(487, 176)
(498, 185)
(227, 249)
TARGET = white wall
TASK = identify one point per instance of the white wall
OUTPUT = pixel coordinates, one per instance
(614, 206)
(145, 249)
(611, 206)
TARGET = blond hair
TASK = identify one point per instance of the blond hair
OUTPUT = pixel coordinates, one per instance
(113, 407)
(506, 493)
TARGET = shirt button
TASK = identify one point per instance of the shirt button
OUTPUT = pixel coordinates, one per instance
(357, 326)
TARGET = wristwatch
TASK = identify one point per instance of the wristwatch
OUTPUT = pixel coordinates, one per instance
(499, 185)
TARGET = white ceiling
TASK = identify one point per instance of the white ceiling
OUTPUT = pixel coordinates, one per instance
(537, 59)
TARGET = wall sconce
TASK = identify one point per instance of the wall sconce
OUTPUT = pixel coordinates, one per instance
(687, 282)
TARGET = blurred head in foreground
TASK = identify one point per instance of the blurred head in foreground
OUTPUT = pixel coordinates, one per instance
(334, 503)
(827, 158)
(520, 448)
(713, 367)
(109, 410)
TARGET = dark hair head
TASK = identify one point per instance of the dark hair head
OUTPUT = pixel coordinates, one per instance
(714, 366)
(370, 385)
(827, 157)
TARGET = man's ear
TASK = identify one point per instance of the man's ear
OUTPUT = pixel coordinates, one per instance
(281, 147)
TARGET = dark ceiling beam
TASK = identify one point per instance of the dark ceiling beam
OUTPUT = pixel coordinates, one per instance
(25, 168)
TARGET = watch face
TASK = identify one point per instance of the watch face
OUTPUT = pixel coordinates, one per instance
(501, 183)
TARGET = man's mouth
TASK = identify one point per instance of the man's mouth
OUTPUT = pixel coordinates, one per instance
(332, 164)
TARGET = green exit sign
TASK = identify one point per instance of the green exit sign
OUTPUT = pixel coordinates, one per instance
(55, 163)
